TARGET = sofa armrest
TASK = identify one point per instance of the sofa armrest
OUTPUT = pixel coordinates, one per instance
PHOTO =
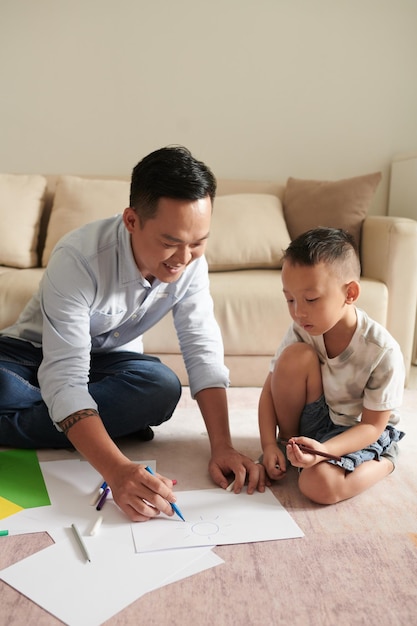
(389, 254)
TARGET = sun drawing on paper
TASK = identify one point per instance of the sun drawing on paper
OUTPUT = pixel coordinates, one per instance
(207, 528)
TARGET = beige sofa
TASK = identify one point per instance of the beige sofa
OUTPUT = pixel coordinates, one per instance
(253, 222)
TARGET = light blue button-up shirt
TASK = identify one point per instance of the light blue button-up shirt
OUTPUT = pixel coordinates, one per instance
(93, 298)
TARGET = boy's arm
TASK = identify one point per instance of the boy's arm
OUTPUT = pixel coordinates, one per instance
(267, 419)
(365, 432)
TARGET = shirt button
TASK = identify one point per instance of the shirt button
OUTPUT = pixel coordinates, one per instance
(134, 316)
(116, 334)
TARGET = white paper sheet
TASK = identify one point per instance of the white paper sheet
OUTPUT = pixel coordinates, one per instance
(217, 517)
(116, 575)
(71, 484)
(84, 593)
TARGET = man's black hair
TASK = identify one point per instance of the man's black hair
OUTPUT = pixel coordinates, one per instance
(170, 172)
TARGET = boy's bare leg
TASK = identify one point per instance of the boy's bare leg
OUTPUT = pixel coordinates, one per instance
(326, 483)
(295, 382)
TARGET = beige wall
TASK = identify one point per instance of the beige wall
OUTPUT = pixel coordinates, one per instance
(262, 89)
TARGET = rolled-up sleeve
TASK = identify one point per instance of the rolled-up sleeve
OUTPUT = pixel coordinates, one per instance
(66, 296)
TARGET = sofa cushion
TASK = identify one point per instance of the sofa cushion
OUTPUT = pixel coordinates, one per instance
(248, 231)
(21, 205)
(17, 286)
(78, 201)
(337, 204)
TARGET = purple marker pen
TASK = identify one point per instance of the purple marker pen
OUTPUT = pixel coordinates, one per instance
(102, 500)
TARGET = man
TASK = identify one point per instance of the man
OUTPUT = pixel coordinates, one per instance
(72, 368)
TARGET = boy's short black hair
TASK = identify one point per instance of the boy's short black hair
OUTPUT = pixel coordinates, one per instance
(170, 172)
(323, 245)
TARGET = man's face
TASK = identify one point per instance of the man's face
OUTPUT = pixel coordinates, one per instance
(164, 245)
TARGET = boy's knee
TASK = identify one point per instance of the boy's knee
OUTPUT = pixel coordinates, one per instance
(298, 357)
(318, 484)
(300, 350)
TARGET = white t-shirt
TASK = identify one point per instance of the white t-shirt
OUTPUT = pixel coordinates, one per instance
(369, 373)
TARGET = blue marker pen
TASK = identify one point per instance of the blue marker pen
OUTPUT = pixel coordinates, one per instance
(173, 506)
(96, 497)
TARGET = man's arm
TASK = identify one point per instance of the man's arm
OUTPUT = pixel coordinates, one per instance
(130, 483)
(69, 291)
(224, 458)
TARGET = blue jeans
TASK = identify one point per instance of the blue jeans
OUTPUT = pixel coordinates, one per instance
(132, 391)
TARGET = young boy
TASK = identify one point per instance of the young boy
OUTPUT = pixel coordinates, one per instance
(337, 379)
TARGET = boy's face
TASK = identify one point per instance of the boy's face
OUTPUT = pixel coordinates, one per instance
(317, 296)
(164, 245)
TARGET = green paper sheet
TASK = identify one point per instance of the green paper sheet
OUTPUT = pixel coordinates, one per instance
(21, 481)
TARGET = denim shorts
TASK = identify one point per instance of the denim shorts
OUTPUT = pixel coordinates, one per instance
(315, 422)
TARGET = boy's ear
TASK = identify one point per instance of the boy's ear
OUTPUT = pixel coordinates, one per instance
(352, 291)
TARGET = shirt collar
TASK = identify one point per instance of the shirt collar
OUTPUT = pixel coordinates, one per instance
(128, 270)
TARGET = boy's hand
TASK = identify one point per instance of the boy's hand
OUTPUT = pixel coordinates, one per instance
(274, 462)
(299, 458)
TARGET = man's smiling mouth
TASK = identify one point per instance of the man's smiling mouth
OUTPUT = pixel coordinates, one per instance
(173, 268)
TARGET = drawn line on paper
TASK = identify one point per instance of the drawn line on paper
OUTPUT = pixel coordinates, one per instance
(206, 528)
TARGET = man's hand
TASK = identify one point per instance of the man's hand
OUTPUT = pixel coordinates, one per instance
(140, 495)
(227, 461)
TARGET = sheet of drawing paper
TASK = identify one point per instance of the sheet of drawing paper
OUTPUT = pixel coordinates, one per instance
(205, 561)
(71, 484)
(22, 485)
(218, 517)
(115, 577)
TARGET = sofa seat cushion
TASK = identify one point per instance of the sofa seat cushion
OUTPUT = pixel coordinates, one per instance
(16, 288)
(253, 313)
(248, 230)
(79, 201)
(21, 206)
(336, 204)
(249, 307)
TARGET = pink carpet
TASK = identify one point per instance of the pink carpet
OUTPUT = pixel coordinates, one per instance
(357, 563)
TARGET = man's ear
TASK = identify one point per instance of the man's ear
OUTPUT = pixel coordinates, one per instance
(353, 290)
(130, 219)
